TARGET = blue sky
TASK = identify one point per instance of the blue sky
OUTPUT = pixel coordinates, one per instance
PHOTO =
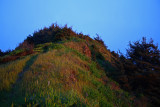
(116, 21)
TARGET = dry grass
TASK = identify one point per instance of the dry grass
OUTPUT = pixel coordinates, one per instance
(59, 72)
(61, 77)
(9, 72)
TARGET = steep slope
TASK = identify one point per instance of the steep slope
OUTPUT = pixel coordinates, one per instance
(60, 68)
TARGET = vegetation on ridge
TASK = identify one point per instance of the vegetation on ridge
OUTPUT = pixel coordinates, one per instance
(58, 67)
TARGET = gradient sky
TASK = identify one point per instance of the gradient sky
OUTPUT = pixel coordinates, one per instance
(116, 21)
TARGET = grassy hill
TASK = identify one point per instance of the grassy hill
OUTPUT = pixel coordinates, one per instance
(58, 67)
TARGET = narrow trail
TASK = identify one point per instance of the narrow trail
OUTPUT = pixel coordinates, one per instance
(27, 66)
(15, 92)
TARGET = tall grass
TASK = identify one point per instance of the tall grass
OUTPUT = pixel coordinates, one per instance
(60, 76)
(58, 72)
(9, 72)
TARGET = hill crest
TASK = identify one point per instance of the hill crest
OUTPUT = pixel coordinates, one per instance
(59, 67)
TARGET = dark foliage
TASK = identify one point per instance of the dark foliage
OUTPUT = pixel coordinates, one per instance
(139, 73)
(1, 53)
(26, 45)
(145, 56)
(98, 39)
(52, 34)
(4, 53)
(15, 56)
(145, 59)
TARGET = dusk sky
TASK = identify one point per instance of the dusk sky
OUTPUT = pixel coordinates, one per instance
(116, 21)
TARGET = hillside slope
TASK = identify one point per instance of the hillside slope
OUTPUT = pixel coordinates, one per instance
(59, 67)
(59, 70)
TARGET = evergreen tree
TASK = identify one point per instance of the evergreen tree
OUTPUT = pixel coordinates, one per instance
(145, 55)
(143, 69)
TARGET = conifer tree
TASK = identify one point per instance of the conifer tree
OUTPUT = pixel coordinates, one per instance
(143, 69)
(145, 55)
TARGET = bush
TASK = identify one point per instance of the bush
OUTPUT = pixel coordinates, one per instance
(98, 39)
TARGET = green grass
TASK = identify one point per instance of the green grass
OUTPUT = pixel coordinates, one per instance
(9, 72)
(16, 51)
(57, 76)
(47, 47)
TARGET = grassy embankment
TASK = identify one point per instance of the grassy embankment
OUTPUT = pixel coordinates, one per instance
(60, 74)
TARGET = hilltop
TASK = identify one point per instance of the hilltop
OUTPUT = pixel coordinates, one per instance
(59, 67)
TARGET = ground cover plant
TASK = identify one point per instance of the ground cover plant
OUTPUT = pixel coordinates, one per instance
(59, 67)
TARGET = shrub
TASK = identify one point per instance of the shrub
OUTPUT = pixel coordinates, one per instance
(98, 39)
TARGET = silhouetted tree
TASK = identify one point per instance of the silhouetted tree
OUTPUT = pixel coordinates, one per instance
(145, 55)
(139, 71)
(143, 69)
(1, 53)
